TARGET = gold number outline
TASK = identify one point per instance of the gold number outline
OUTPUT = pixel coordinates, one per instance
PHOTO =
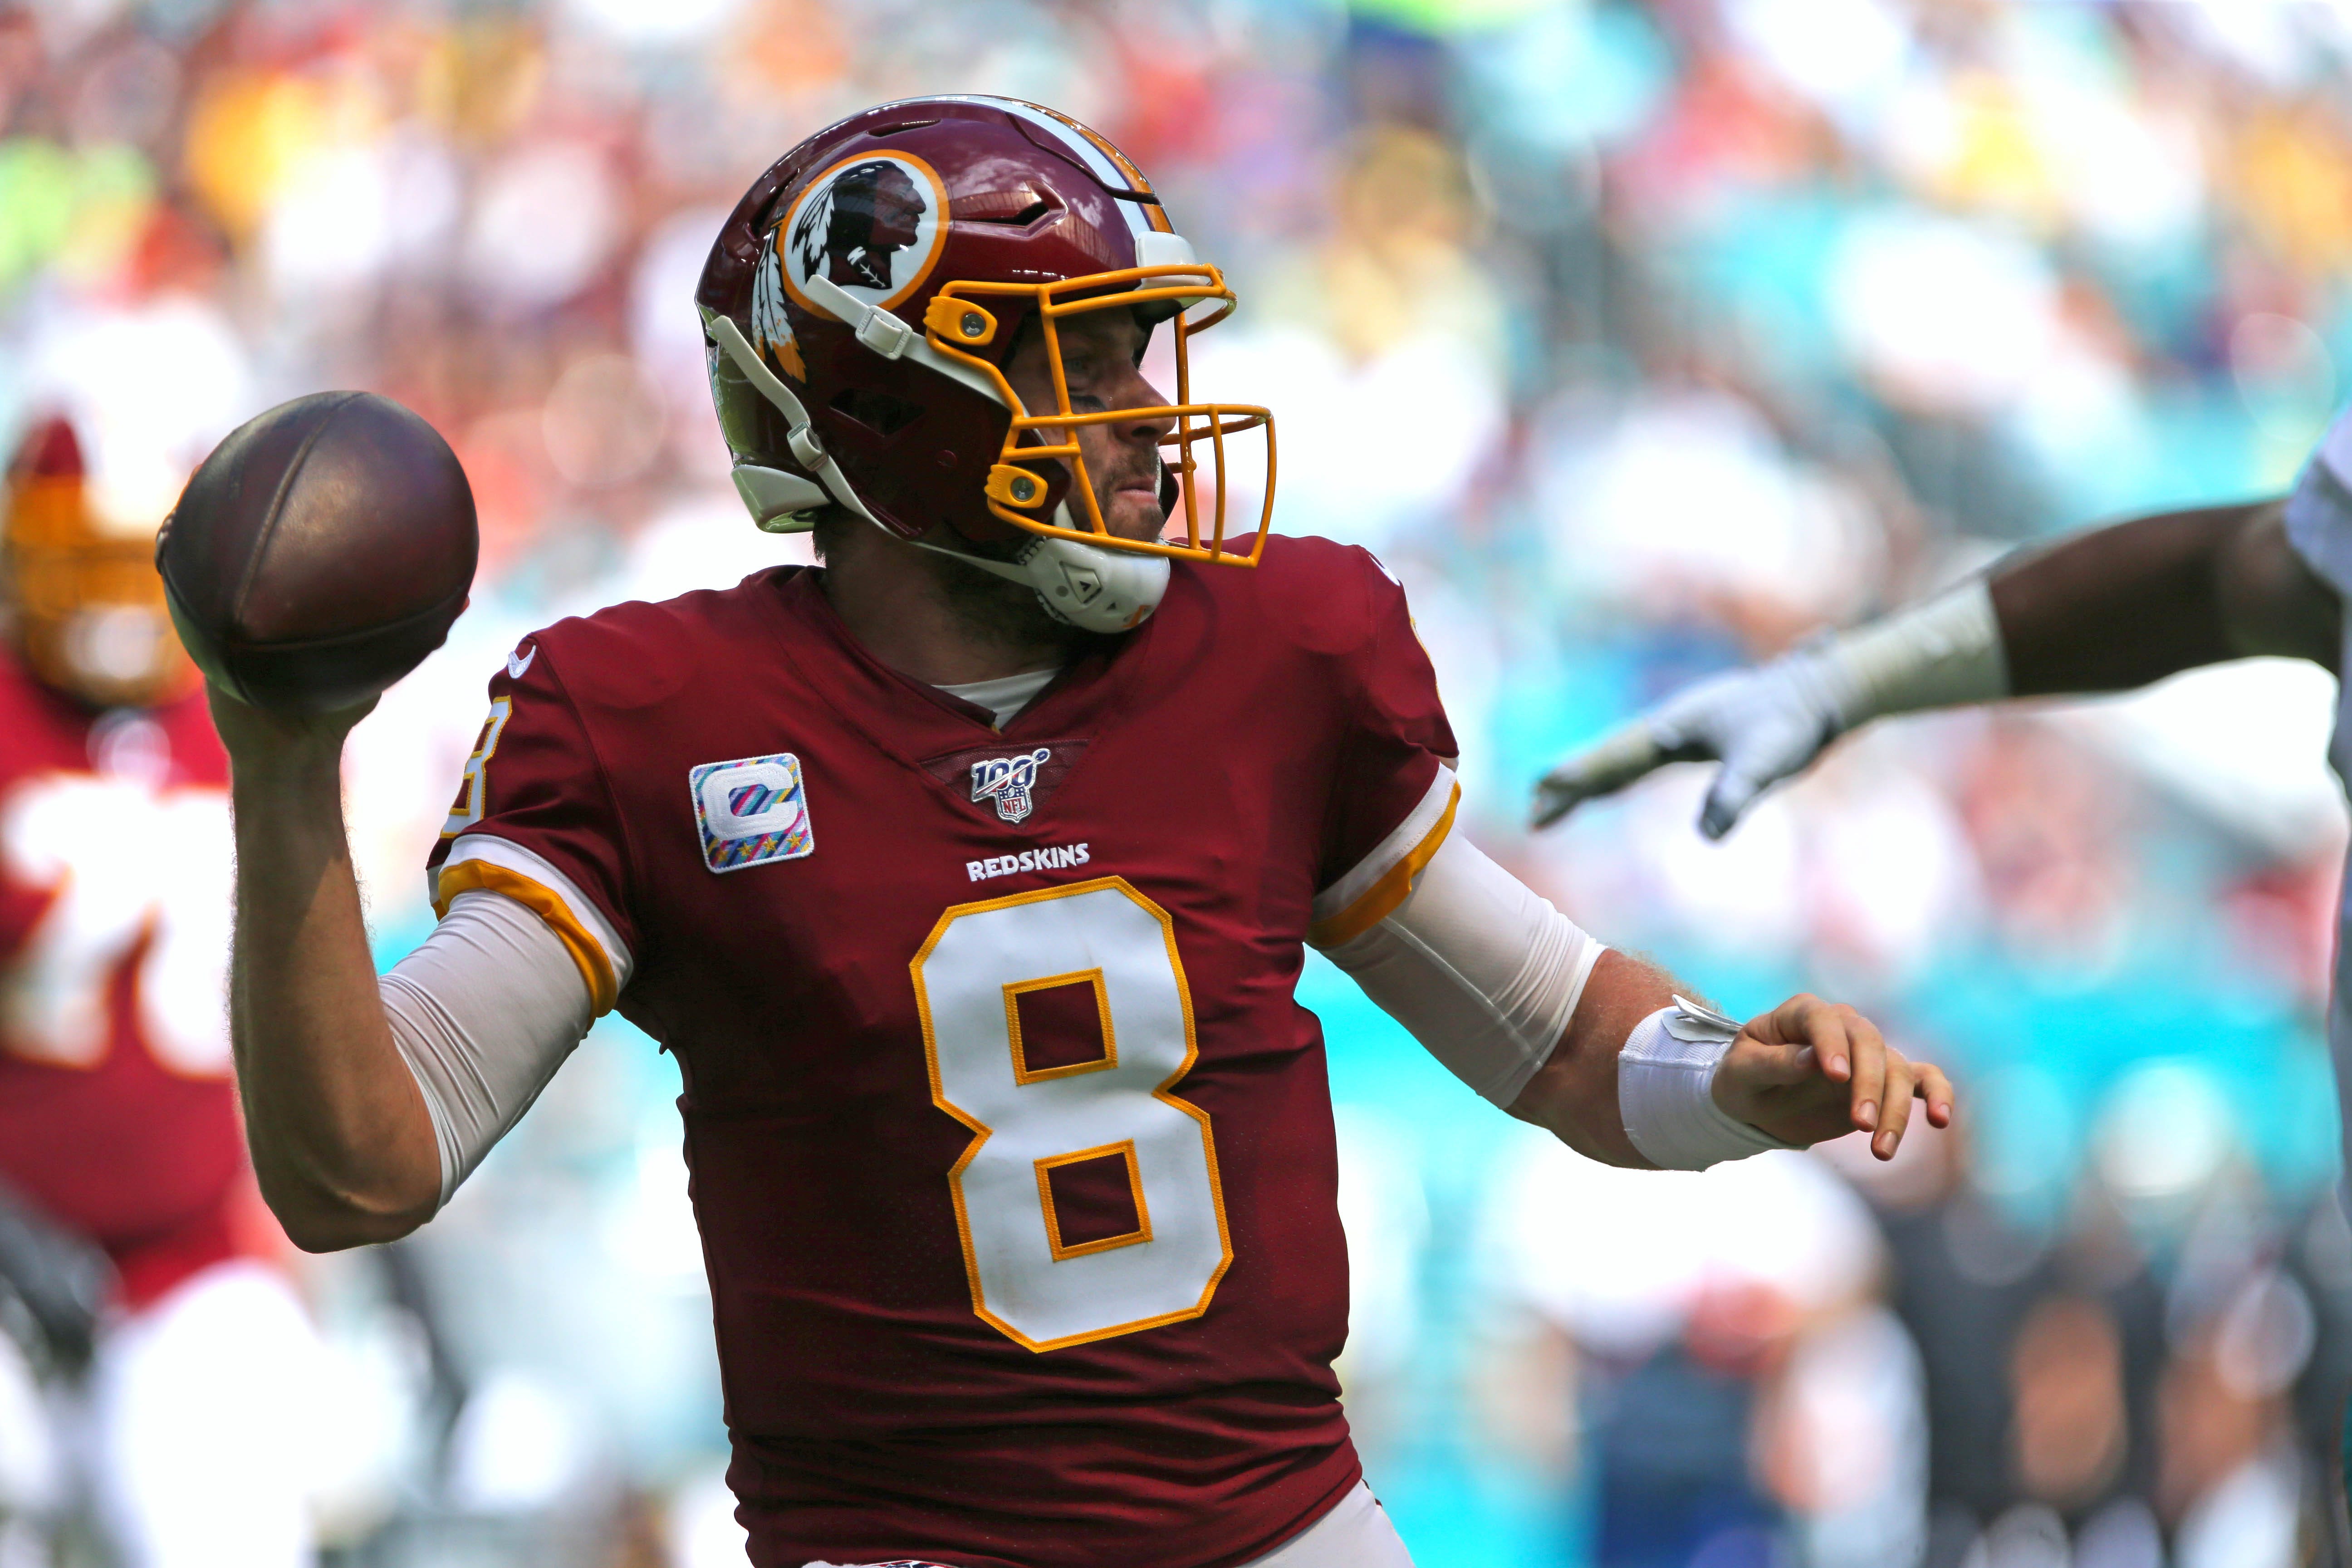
(475, 785)
(1026, 1074)
(1124, 1150)
(982, 1133)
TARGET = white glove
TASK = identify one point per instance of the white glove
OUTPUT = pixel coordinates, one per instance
(1762, 724)
(1768, 723)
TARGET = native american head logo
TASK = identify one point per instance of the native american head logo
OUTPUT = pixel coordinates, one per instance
(874, 225)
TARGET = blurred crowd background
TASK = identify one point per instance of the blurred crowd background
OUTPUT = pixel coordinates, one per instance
(1639, 339)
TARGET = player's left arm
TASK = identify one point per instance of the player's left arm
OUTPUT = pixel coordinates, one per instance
(1598, 1047)
(1523, 1006)
(1807, 1071)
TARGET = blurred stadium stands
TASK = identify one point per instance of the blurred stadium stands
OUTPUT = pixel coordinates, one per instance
(1639, 339)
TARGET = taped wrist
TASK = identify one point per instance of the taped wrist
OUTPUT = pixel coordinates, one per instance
(1941, 654)
(1665, 1090)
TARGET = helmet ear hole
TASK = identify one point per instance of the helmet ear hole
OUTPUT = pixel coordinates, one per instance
(877, 411)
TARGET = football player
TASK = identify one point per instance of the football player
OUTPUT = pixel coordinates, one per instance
(117, 1116)
(969, 877)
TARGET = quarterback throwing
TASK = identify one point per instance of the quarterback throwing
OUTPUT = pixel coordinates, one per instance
(969, 879)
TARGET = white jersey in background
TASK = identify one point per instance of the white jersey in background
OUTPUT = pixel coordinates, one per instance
(2319, 527)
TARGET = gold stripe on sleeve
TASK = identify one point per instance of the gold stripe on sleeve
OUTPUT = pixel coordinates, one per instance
(1380, 900)
(595, 968)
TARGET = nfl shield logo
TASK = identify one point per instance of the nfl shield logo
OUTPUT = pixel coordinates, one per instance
(1008, 781)
(751, 810)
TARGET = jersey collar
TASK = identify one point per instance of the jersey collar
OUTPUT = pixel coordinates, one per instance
(910, 720)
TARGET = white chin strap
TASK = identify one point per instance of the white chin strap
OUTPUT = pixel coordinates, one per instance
(1091, 588)
(1094, 589)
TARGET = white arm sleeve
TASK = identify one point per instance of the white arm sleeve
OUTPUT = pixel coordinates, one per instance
(484, 1013)
(1477, 968)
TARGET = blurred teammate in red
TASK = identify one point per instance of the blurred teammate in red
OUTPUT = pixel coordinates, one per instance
(117, 1113)
(969, 878)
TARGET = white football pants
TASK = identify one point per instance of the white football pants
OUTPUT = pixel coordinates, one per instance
(197, 1425)
(1356, 1533)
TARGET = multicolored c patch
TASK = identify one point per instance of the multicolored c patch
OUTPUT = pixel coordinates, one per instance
(751, 810)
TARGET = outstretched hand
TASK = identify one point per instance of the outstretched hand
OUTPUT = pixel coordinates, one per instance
(1812, 1071)
(1762, 724)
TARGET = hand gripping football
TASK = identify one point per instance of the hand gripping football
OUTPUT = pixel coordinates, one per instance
(319, 553)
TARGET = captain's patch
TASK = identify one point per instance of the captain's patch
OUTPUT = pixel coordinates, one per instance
(751, 810)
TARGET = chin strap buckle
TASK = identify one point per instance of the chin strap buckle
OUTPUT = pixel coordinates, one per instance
(884, 333)
(877, 329)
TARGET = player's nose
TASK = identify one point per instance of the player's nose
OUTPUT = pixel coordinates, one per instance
(1135, 391)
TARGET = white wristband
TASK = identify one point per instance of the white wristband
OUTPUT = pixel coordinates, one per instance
(1665, 1090)
(1944, 653)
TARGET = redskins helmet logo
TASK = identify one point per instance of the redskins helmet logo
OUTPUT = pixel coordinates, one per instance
(874, 225)
(772, 329)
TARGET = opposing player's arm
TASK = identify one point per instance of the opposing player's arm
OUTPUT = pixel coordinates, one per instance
(2108, 610)
(1540, 1019)
(2122, 606)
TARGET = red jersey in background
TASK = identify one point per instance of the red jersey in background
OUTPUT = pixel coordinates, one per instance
(118, 1114)
(1012, 1151)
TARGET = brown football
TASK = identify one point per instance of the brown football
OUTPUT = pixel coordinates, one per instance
(319, 553)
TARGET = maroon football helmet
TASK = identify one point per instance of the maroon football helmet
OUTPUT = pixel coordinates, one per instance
(861, 301)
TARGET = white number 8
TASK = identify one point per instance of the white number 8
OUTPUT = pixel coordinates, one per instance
(1026, 1282)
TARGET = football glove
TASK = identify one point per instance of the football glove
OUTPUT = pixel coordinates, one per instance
(1762, 724)
(1769, 723)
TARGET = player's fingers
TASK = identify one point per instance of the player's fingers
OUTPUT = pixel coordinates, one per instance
(1806, 1020)
(1734, 790)
(1776, 1064)
(1868, 1091)
(1935, 1090)
(1896, 1114)
(1603, 768)
(1555, 797)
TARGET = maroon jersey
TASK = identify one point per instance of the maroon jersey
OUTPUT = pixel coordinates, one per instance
(1012, 1151)
(118, 1115)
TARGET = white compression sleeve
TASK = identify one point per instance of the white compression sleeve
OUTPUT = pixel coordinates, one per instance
(484, 1012)
(1477, 968)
